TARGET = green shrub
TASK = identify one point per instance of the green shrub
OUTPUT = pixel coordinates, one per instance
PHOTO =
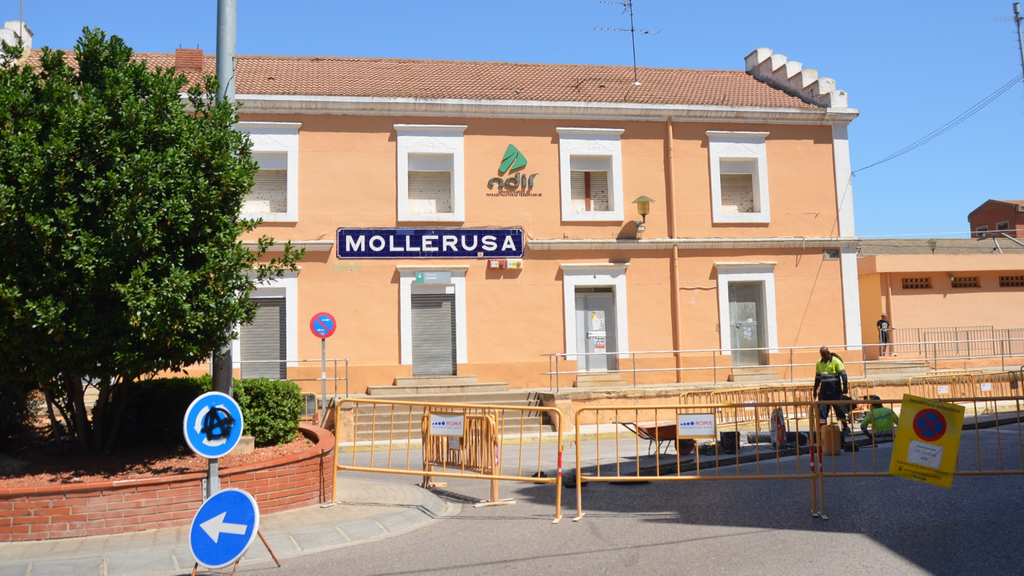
(270, 409)
(156, 409)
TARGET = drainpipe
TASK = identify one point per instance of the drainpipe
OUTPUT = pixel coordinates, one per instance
(670, 207)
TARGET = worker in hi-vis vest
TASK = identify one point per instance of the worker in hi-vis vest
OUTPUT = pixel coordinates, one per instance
(831, 383)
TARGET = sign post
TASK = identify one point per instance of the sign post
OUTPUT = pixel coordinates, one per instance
(323, 325)
(926, 445)
(228, 521)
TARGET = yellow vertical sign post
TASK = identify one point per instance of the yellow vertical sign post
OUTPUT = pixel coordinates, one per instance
(926, 445)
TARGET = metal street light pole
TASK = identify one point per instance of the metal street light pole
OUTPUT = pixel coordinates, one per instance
(1020, 42)
(227, 12)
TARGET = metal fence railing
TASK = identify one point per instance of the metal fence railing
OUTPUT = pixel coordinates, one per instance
(787, 446)
(957, 341)
(713, 365)
(447, 440)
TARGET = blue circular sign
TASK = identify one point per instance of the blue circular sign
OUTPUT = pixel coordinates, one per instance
(213, 425)
(223, 528)
(323, 325)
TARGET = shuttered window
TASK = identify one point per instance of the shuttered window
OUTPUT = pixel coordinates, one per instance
(264, 343)
(737, 193)
(430, 192)
(269, 194)
(433, 334)
(589, 191)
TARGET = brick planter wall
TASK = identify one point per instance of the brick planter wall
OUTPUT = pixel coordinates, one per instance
(95, 508)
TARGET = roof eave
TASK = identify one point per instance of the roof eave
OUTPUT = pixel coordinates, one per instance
(533, 109)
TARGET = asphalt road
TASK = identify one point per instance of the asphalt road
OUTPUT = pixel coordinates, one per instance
(877, 525)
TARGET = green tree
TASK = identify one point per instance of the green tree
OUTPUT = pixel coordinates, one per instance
(119, 230)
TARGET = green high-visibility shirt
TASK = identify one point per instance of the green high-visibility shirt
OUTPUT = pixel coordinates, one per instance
(881, 420)
(833, 366)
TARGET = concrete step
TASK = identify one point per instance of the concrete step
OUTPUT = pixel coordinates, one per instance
(910, 367)
(437, 388)
(436, 381)
(753, 374)
(599, 379)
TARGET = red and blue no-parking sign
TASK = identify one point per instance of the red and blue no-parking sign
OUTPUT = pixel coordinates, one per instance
(929, 425)
(323, 325)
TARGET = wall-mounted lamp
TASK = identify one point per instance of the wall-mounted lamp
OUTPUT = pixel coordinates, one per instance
(643, 208)
(952, 278)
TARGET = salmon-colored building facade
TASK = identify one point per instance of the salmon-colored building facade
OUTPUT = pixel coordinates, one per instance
(944, 290)
(467, 219)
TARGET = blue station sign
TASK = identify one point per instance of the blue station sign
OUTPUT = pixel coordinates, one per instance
(213, 425)
(223, 528)
(356, 243)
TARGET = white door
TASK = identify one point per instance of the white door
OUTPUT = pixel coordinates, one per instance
(595, 331)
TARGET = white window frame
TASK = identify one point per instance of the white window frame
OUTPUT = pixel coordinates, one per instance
(731, 146)
(604, 142)
(407, 286)
(596, 275)
(764, 272)
(981, 231)
(277, 137)
(287, 286)
(437, 139)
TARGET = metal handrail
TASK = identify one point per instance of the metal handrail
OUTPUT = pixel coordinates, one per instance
(715, 352)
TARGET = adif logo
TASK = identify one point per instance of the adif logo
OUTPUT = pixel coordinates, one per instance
(518, 184)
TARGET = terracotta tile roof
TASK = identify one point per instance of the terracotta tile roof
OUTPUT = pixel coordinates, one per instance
(430, 79)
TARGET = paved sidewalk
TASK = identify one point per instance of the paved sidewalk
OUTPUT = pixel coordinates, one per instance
(366, 510)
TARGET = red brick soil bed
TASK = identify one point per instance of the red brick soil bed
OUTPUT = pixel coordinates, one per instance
(161, 492)
(55, 468)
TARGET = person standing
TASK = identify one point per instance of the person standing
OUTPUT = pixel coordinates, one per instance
(884, 329)
(831, 383)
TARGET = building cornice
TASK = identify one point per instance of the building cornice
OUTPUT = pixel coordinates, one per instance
(309, 245)
(693, 243)
(467, 108)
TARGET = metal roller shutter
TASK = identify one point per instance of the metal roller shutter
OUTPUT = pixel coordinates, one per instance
(269, 193)
(265, 340)
(433, 334)
(737, 193)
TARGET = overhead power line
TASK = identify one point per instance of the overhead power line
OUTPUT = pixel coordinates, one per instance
(948, 125)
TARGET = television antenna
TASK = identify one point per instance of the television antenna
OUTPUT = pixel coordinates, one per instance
(627, 7)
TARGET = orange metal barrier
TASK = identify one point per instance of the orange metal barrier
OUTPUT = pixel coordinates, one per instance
(1003, 456)
(618, 460)
(498, 442)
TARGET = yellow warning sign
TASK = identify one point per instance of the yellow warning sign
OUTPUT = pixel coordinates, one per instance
(926, 444)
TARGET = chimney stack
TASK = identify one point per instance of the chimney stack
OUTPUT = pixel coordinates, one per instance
(186, 59)
(15, 30)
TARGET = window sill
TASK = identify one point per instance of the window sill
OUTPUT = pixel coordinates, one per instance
(442, 217)
(271, 216)
(744, 218)
(611, 216)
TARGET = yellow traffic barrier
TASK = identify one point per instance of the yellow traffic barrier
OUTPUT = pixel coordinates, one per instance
(1003, 456)
(720, 458)
(487, 442)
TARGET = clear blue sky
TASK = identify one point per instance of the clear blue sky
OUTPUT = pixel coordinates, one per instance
(908, 66)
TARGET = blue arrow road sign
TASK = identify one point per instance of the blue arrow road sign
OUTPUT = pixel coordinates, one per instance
(213, 425)
(223, 528)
